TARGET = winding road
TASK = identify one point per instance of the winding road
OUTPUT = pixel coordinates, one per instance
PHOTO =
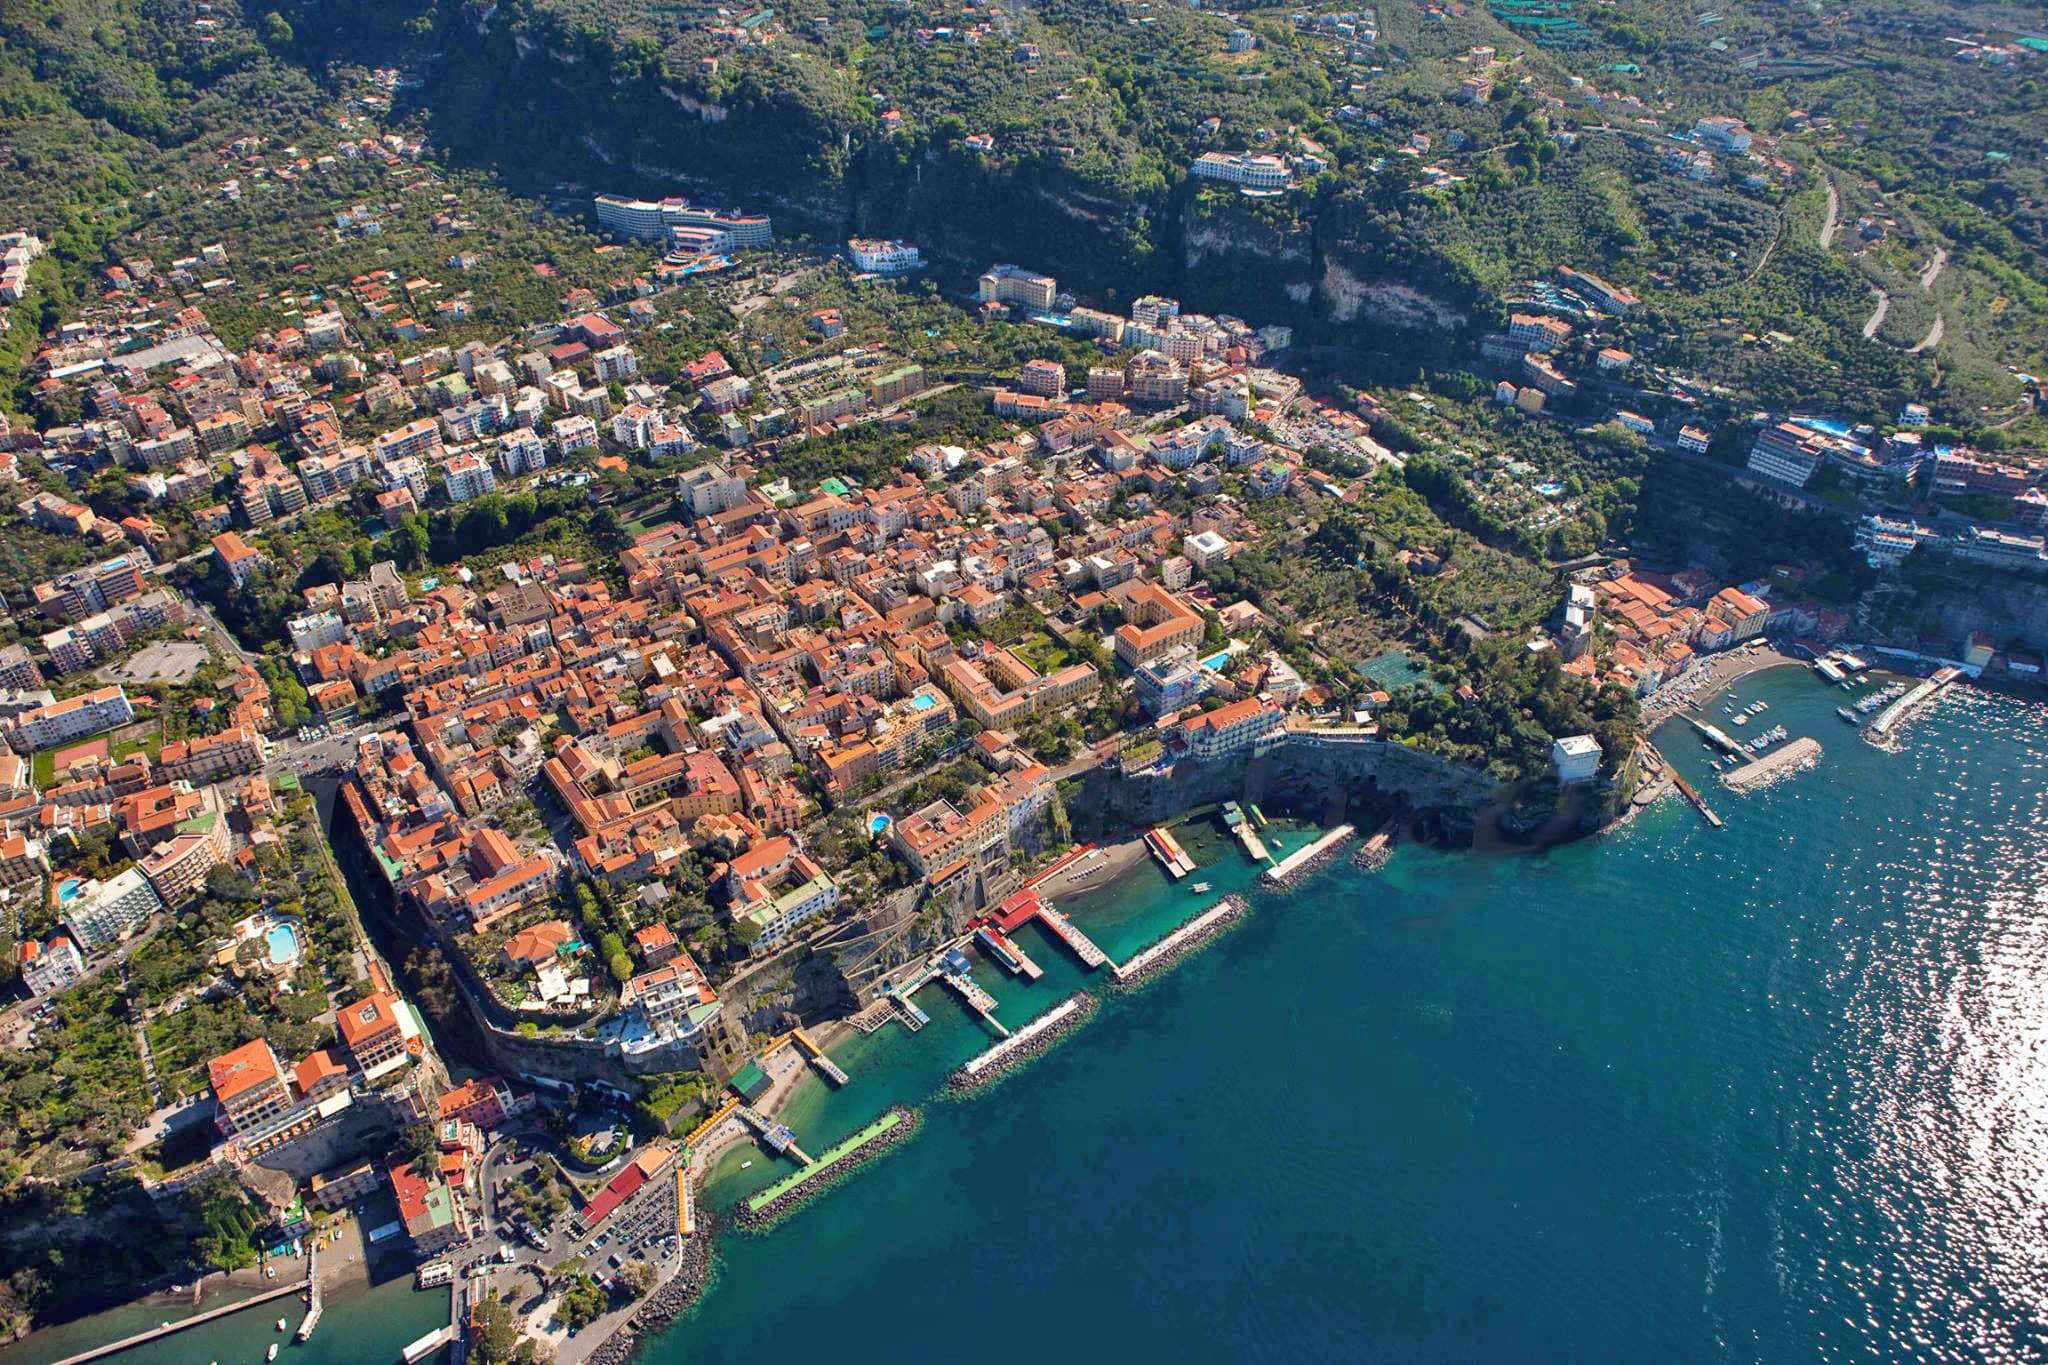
(1884, 304)
(1834, 218)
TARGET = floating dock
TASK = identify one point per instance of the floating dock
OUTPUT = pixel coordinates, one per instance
(1305, 860)
(871, 1016)
(818, 1059)
(1798, 754)
(1892, 716)
(1168, 851)
(913, 1018)
(1719, 737)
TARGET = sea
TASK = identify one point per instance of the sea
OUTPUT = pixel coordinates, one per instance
(1775, 1092)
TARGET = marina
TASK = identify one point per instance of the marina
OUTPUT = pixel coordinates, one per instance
(168, 1329)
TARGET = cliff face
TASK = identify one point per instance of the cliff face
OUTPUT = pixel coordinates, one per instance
(565, 111)
(1327, 782)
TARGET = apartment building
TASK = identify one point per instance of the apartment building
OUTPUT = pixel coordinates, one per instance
(466, 477)
(380, 1034)
(237, 557)
(1010, 284)
(74, 718)
(877, 256)
(99, 914)
(49, 968)
(1156, 623)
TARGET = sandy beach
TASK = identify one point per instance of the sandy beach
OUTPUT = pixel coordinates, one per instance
(1097, 868)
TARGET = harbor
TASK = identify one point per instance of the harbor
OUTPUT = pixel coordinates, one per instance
(1800, 753)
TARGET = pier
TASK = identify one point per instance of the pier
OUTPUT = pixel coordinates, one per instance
(720, 1115)
(1006, 953)
(1168, 851)
(1305, 860)
(1798, 754)
(913, 1018)
(1690, 793)
(819, 1060)
(978, 1000)
(196, 1320)
(871, 1016)
(312, 1318)
(1063, 929)
(1890, 718)
(776, 1137)
(430, 1343)
(686, 1201)
(1200, 926)
(1247, 834)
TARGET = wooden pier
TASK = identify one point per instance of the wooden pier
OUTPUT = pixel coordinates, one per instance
(1063, 929)
(978, 1000)
(1007, 954)
(818, 1058)
(1687, 790)
(1168, 851)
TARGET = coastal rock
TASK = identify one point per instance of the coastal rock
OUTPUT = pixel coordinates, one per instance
(1233, 908)
(668, 1301)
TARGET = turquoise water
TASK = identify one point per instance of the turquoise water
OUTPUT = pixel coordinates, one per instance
(1776, 1093)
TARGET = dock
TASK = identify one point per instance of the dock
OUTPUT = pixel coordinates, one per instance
(978, 1000)
(1305, 860)
(1168, 851)
(312, 1318)
(818, 1059)
(686, 1200)
(776, 1137)
(1798, 754)
(913, 1018)
(871, 1016)
(1063, 929)
(1691, 793)
(430, 1343)
(196, 1320)
(1890, 718)
(1006, 953)
(1240, 825)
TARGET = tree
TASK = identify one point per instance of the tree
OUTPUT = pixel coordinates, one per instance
(277, 30)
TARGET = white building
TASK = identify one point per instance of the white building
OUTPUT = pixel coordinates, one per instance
(102, 913)
(467, 477)
(1258, 172)
(72, 718)
(47, 968)
(1575, 759)
(879, 257)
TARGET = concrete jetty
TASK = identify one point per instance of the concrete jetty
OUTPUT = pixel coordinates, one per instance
(1800, 753)
(1028, 1042)
(1899, 711)
(1302, 862)
(312, 1318)
(1181, 941)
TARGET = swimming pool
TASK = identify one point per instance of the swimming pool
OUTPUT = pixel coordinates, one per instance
(877, 823)
(923, 701)
(67, 891)
(283, 942)
(1217, 660)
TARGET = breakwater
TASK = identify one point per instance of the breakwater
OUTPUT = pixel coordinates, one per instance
(1032, 1041)
(1306, 862)
(1188, 938)
(1800, 753)
(778, 1201)
(668, 1301)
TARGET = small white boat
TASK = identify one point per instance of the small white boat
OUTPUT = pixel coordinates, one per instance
(280, 1324)
(1199, 886)
(272, 1353)
(745, 1164)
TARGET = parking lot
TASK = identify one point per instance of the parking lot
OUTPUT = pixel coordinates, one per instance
(175, 662)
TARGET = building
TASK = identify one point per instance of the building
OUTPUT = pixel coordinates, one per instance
(1046, 378)
(380, 1034)
(253, 1099)
(99, 914)
(1886, 542)
(1575, 759)
(240, 560)
(710, 489)
(1787, 453)
(674, 998)
(1237, 727)
(47, 968)
(73, 718)
(177, 868)
(467, 477)
(652, 220)
(1010, 284)
(428, 1207)
(1156, 623)
(1256, 172)
(773, 888)
(882, 257)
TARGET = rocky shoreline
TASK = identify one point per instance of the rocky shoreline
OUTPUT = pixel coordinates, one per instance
(1233, 908)
(671, 1299)
(962, 1081)
(751, 1219)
